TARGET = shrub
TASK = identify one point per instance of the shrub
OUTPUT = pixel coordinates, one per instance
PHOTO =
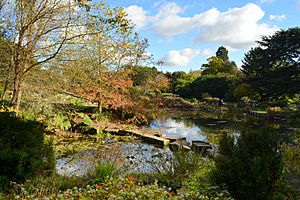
(252, 167)
(104, 116)
(173, 173)
(243, 90)
(104, 170)
(198, 185)
(86, 119)
(273, 110)
(23, 151)
(5, 104)
(76, 101)
(60, 121)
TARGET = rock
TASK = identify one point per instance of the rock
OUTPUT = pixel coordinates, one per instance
(211, 124)
(84, 129)
(90, 131)
(221, 122)
(160, 135)
(174, 138)
(201, 147)
(180, 144)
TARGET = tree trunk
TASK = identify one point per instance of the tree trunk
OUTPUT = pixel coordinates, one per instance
(6, 83)
(100, 107)
(17, 93)
(4, 89)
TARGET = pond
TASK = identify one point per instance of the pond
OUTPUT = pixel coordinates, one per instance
(196, 126)
(131, 157)
(137, 157)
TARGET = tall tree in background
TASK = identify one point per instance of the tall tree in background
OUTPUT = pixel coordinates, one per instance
(222, 53)
(220, 64)
(273, 68)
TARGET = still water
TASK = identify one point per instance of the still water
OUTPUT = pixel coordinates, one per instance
(173, 127)
(136, 156)
(194, 127)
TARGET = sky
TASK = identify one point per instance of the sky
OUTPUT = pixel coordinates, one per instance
(184, 33)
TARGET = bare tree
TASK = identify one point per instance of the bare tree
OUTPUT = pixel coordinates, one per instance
(38, 30)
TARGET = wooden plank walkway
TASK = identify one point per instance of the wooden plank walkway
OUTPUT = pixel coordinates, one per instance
(175, 143)
(144, 135)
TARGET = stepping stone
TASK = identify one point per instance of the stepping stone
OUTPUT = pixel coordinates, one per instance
(174, 138)
(201, 147)
(160, 135)
(180, 144)
(221, 122)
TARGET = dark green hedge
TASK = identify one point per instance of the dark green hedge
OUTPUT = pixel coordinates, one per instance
(23, 151)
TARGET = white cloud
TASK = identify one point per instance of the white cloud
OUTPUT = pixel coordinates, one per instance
(138, 16)
(207, 53)
(180, 58)
(167, 21)
(278, 18)
(266, 1)
(237, 28)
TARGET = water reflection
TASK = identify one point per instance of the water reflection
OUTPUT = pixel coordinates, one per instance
(179, 127)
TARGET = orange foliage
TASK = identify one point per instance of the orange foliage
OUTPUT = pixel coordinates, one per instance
(110, 88)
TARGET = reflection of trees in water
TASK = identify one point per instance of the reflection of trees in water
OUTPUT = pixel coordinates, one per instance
(215, 134)
(209, 122)
(189, 123)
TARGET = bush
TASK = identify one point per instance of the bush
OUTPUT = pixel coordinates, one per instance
(172, 173)
(61, 121)
(216, 86)
(86, 119)
(5, 104)
(252, 167)
(104, 116)
(104, 170)
(243, 90)
(23, 151)
(198, 185)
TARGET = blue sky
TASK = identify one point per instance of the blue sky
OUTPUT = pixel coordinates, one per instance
(184, 33)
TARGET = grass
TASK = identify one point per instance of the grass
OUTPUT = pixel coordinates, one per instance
(173, 173)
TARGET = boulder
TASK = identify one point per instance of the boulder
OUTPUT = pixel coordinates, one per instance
(84, 129)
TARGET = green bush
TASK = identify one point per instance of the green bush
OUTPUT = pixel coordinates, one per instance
(60, 120)
(198, 185)
(76, 101)
(104, 116)
(216, 86)
(104, 170)
(252, 166)
(5, 104)
(173, 173)
(86, 119)
(23, 151)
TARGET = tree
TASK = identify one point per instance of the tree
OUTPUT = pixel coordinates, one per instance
(94, 68)
(181, 82)
(222, 53)
(220, 64)
(214, 85)
(38, 29)
(252, 167)
(5, 67)
(273, 68)
(140, 74)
